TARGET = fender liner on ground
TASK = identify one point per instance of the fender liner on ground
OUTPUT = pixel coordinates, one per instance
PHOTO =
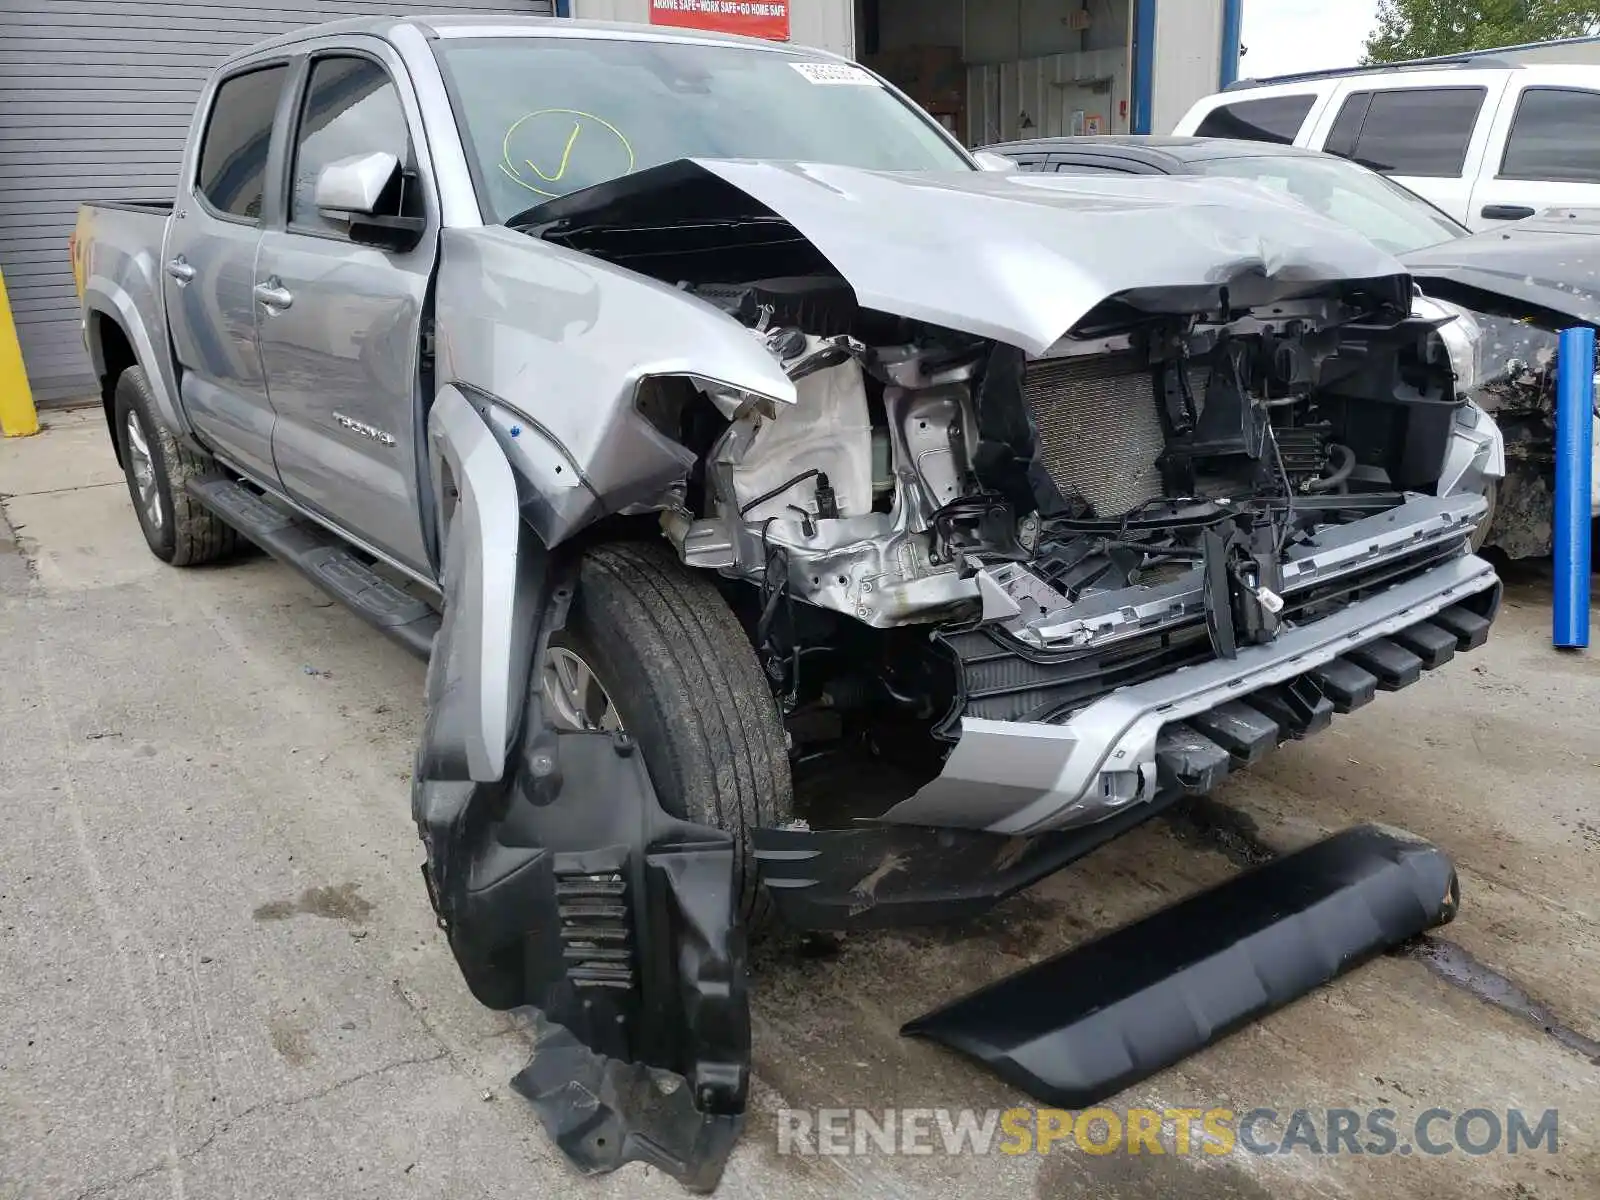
(1078, 1028)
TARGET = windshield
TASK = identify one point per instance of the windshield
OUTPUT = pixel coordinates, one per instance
(1379, 209)
(544, 117)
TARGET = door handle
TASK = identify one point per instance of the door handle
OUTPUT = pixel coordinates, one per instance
(273, 296)
(1506, 212)
(180, 270)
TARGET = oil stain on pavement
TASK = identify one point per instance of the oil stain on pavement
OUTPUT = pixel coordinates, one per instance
(337, 902)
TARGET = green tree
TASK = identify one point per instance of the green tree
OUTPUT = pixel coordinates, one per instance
(1424, 28)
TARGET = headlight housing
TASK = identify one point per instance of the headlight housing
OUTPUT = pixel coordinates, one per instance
(1463, 338)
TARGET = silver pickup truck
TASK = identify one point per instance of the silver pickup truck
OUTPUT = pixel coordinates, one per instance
(800, 520)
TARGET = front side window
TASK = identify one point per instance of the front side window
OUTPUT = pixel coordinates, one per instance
(544, 117)
(1275, 119)
(351, 108)
(1071, 167)
(1347, 125)
(1555, 137)
(233, 152)
(1418, 131)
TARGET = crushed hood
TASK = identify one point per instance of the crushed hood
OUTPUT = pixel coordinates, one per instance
(1543, 270)
(1021, 258)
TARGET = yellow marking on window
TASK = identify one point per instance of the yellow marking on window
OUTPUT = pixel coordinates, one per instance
(507, 163)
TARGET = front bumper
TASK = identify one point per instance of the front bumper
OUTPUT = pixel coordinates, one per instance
(1186, 729)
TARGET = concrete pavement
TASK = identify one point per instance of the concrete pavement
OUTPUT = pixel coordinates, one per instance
(219, 975)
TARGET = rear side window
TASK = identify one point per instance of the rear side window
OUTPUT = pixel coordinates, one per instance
(1409, 131)
(351, 108)
(233, 154)
(1274, 119)
(1555, 136)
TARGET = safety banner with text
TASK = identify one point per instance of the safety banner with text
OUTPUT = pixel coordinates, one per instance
(754, 18)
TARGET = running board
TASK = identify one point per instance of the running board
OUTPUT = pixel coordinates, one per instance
(1078, 1028)
(325, 560)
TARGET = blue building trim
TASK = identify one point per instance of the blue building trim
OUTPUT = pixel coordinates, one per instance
(1232, 34)
(563, 8)
(1144, 64)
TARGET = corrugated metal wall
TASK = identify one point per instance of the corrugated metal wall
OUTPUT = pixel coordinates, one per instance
(827, 24)
(95, 101)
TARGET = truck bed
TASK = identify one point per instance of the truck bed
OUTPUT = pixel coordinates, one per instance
(158, 207)
(117, 256)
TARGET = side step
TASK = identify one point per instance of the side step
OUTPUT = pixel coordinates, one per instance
(326, 561)
(1078, 1028)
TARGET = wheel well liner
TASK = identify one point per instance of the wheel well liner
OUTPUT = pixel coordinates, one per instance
(116, 356)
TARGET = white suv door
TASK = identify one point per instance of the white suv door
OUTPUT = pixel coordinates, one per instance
(1428, 131)
(1545, 148)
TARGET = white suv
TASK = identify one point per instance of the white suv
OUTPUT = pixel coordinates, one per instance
(1486, 143)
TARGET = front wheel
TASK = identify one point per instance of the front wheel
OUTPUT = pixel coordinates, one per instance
(652, 649)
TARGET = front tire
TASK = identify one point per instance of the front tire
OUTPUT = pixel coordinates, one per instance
(158, 468)
(679, 676)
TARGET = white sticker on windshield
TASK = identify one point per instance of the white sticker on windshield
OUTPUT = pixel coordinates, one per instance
(836, 73)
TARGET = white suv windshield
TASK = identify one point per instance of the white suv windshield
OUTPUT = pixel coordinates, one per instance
(1379, 209)
(548, 116)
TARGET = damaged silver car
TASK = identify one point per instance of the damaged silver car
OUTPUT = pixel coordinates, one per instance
(802, 523)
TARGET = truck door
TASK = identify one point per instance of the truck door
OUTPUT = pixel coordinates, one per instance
(1544, 148)
(341, 321)
(209, 269)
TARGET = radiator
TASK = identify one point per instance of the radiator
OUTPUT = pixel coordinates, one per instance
(1099, 430)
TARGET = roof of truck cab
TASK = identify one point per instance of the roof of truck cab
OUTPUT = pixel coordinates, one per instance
(458, 25)
(1169, 154)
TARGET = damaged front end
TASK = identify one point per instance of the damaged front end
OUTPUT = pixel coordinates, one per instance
(1070, 538)
(1038, 511)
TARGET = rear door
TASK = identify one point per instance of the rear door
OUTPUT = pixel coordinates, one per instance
(1429, 131)
(341, 322)
(1544, 148)
(209, 269)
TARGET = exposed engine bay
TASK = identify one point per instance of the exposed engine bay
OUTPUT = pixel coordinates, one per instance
(909, 474)
(944, 525)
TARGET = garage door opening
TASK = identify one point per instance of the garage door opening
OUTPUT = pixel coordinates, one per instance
(1005, 70)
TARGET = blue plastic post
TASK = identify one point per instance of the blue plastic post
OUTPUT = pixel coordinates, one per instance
(1574, 463)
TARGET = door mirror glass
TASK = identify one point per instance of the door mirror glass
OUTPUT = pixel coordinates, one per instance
(358, 185)
(994, 162)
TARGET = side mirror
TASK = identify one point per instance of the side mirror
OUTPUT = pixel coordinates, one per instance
(368, 190)
(990, 161)
(356, 185)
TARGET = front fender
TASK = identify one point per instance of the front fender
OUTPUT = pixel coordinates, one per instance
(493, 583)
(558, 348)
